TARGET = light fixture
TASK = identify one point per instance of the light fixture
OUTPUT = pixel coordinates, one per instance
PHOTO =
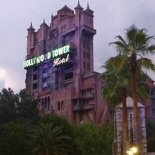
(129, 152)
(134, 149)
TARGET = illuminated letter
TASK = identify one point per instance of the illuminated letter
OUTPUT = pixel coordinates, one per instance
(67, 57)
(24, 64)
(56, 62)
(60, 50)
(42, 58)
(53, 52)
(34, 60)
(56, 52)
(66, 48)
(48, 55)
(38, 60)
(31, 62)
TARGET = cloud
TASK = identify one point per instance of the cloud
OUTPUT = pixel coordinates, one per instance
(5, 81)
(9, 80)
(110, 19)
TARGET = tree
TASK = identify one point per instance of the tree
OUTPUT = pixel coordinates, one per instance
(27, 107)
(115, 90)
(8, 105)
(48, 139)
(16, 106)
(68, 129)
(150, 128)
(134, 48)
(92, 140)
(14, 139)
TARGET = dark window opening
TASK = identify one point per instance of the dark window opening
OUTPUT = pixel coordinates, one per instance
(35, 86)
(88, 55)
(48, 102)
(34, 77)
(89, 90)
(84, 54)
(84, 65)
(69, 76)
(88, 66)
(84, 43)
(68, 66)
(83, 92)
(153, 112)
(88, 44)
(58, 105)
(62, 105)
(35, 68)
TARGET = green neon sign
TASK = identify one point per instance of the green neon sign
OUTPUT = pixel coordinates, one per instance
(53, 54)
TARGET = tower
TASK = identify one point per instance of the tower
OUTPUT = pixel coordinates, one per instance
(59, 66)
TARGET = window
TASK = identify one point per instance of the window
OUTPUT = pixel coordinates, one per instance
(63, 28)
(68, 75)
(34, 86)
(68, 66)
(88, 66)
(88, 55)
(84, 65)
(35, 68)
(84, 54)
(153, 102)
(83, 92)
(153, 112)
(58, 105)
(84, 43)
(62, 105)
(34, 77)
(88, 44)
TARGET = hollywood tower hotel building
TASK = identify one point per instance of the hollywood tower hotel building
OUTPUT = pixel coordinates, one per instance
(59, 66)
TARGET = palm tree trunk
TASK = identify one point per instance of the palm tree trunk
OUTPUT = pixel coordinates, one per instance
(125, 121)
(47, 153)
(134, 97)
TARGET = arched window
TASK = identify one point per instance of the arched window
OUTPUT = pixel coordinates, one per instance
(58, 106)
(62, 105)
(48, 102)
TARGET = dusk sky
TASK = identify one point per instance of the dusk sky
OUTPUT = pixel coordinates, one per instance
(111, 18)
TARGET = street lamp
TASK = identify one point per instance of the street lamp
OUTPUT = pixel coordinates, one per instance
(129, 152)
(134, 149)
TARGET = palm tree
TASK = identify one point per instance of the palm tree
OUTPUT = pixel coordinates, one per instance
(117, 86)
(115, 89)
(49, 140)
(135, 47)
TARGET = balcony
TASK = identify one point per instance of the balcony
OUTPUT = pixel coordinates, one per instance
(88, 96)
(89, 106)
(47, 111)
(84, 107)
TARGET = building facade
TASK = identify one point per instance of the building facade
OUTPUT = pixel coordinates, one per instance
(60, 68)
(150, 102)
(119, 144)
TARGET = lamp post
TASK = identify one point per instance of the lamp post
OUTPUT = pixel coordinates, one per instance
(132, 150)
(129, 152)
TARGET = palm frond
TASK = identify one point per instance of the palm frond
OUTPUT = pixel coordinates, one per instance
(146, 63)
